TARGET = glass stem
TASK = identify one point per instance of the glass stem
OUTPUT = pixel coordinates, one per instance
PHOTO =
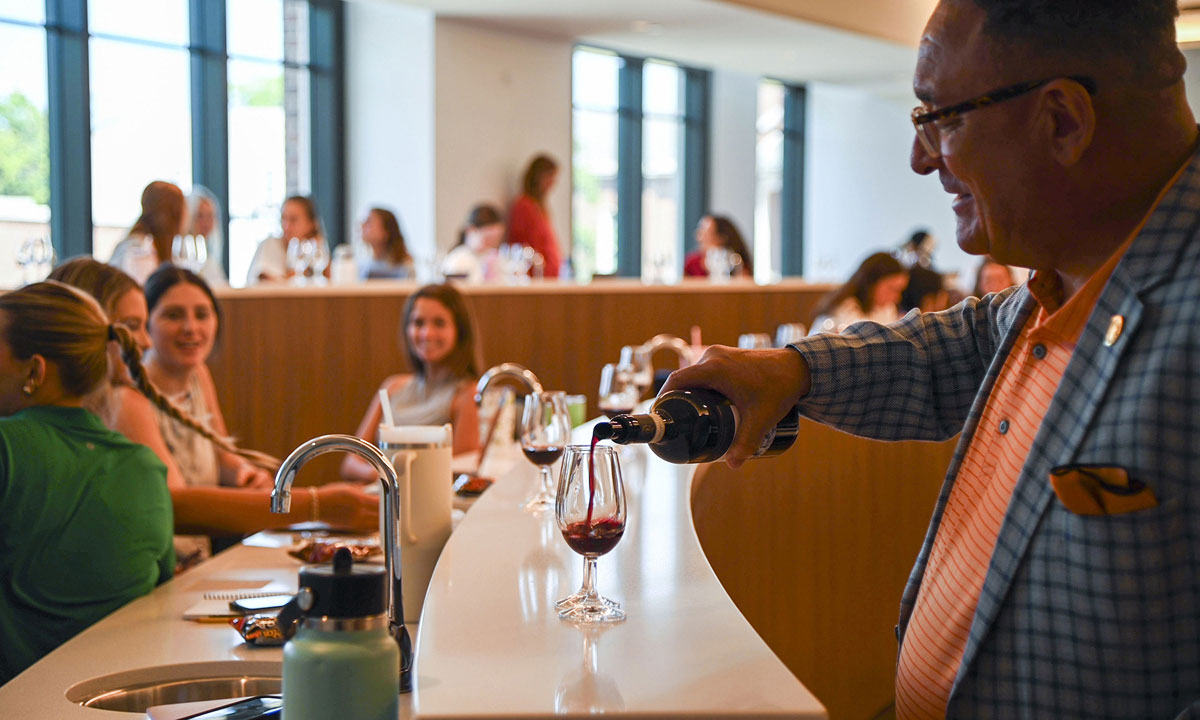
(589, 580)
(547, 482)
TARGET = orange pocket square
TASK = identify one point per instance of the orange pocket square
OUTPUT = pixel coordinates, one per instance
(1100, 490)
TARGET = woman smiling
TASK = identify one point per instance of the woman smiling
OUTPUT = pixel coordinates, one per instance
(439, 338)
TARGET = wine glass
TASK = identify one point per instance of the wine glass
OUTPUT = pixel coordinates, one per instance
(545, 430)
(636, 361)
(590, 510)
(619, 391)
(296, 262)
(318, 258)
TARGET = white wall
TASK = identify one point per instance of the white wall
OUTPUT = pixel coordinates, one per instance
(390, 117)
(860, 194)
(501, 98)
(731, 167)
(1191, 80)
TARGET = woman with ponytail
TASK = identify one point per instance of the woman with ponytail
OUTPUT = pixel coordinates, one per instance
(86, 521)
(206, 510)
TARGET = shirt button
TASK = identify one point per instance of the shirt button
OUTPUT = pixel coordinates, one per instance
(1003, 427)
(1039, 351)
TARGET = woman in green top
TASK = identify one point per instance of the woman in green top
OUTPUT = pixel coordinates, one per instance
(86, 520)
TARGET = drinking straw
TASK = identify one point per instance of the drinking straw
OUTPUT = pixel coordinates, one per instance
(386, 404)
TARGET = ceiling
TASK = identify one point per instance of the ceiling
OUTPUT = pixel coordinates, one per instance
(868, 44)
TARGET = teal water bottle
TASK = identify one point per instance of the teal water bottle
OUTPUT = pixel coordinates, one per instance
(341, 663)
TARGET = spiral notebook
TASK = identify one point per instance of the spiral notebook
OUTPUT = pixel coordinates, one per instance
(214, 606)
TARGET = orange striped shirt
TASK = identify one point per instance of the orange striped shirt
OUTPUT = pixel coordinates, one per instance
(958, 561)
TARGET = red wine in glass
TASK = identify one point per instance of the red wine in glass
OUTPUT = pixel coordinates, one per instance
(595, 538)
(542, 454)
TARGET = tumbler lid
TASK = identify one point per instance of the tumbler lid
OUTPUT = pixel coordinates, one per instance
(342, 589)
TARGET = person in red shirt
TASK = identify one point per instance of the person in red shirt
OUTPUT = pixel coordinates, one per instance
(529, 221)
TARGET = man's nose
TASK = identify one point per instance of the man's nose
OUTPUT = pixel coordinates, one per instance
(919, 159)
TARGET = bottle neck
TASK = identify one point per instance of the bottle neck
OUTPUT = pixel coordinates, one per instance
(642, 428)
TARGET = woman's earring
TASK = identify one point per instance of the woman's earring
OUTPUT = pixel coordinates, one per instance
(29, 388)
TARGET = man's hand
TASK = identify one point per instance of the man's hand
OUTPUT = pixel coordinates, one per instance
(762, 384)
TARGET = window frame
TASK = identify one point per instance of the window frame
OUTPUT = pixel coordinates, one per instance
(69, 105)
(695, 105)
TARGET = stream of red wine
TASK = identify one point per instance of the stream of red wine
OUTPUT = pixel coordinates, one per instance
(592, 477)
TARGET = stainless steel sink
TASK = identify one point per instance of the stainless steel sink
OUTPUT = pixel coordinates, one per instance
(136, 690)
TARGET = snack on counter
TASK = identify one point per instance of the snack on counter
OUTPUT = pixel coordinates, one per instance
(265, 629)
(321, 550)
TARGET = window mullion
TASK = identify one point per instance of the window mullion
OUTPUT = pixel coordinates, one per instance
(696, 100)
(792, 194)
(629, 168)
(210, 105)
(70, 126)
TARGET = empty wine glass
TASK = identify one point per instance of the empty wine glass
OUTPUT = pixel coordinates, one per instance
(545, 430)
(590, 510)
(636, 362)
(619, 391)
(36, 257)
(318, 258)
(295, 261)
(754, 341)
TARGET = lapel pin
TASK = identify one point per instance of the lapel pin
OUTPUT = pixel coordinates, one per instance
(1115, 326)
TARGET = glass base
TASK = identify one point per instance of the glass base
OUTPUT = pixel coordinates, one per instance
(598, 610)
(539, 503)
(576, 598)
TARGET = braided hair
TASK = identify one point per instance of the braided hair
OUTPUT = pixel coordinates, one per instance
(68, 327)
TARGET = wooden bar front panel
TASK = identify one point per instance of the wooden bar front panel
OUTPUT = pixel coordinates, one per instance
(294, 363)
(815, 547)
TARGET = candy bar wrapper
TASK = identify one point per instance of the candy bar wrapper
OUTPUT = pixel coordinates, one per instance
(266, 629)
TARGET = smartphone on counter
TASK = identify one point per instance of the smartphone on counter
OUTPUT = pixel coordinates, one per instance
(262, 706)
(259, 604)
(469, 485)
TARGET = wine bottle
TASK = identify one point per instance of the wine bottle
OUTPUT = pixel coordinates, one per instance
(693, 426)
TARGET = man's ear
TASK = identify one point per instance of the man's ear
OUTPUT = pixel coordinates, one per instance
(1070, 120)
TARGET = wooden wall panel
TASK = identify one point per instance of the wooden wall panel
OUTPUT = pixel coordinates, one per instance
(293, 363)
(815, 547)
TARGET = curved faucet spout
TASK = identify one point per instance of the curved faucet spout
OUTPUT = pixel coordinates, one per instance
(676, 345)
(281, 501)
(519, 373)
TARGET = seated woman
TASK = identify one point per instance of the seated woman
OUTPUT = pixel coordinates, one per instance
(86, 525)
(476, 257)
(297, 219)
(148, 243)
(199, 510)
(715, 232)
(390, 258)
(872, 293)
(992, 277)
(439, 340)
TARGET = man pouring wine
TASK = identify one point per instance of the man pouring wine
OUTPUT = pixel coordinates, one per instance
(1060, 576)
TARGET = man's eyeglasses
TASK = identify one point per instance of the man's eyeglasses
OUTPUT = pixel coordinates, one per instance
(925, 120)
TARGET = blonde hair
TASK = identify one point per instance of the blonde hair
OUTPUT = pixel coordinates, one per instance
(67, 326)
(106, 283)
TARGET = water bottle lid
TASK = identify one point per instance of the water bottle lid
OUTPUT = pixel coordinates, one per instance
(342, 589)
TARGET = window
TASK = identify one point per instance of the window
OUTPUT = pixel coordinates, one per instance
(662, 181)
(192, 92)
(269, 150)
(640, 160)
(24, 141)
(768, 181)
(594, 161)
(137, 137)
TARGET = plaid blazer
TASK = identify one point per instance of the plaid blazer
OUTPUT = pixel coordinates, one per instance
(1080, 616)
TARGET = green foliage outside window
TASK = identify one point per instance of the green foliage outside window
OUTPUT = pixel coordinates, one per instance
(24, 149)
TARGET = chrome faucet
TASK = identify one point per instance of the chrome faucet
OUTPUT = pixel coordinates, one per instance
(670, 342)
(281, 502)
(520, 373)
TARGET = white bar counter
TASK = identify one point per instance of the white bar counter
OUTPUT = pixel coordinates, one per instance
(489, 644)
